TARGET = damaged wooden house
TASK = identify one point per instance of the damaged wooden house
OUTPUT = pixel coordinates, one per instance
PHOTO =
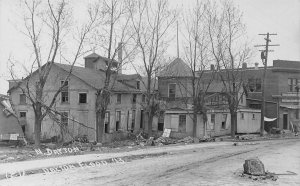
(76, 101)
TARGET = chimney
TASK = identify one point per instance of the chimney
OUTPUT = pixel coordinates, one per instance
(256, 66)
(244, 66)
(120, 57)
(212, 67)
(13, 83)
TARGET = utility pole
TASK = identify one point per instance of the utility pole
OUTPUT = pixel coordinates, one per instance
(177, 42)
(264, 58)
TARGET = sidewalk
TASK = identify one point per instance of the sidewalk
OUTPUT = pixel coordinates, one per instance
(57, 161)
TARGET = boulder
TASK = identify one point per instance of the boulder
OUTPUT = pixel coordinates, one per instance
(254, 167)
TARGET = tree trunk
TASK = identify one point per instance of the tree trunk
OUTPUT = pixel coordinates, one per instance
(194, 124)
(204, 118)
(150, 120)
(100, 117)
(38, 125)
(233, 123)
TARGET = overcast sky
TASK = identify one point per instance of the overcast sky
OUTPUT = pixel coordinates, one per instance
(260, 16)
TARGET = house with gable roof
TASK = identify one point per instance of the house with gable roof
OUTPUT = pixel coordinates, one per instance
(77, 101)
(175, 88)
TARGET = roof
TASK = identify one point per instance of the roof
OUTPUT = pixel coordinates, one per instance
(92, 55)
(177, 68)
(95, 55)
(95, 78)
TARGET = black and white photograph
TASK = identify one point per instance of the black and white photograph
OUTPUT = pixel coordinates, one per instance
(149, 92)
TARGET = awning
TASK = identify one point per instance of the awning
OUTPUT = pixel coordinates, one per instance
(269, 119)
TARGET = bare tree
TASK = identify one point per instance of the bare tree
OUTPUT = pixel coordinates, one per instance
(151, 22)
(47, 27)
(229, 50)
(116, 36)
(196, 46)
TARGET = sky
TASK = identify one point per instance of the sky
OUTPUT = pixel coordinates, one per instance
(260, 16)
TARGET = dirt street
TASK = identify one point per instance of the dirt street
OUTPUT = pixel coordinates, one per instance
(210, 165)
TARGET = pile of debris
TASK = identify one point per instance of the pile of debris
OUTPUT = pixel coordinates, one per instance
(188, 139)
(254, 169)
(165, 141)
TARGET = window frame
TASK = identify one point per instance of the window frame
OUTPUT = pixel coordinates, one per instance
(64, 92)
(106, 122)
(169, 88)
(242, 116)
(214, 121)
(86, 97)
(292, 83)
(22, 112)
(22, 101)
(118, 119)
(224, 121)
(134, 98)
(119, 101)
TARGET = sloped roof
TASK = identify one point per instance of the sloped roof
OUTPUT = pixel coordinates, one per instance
(177, 68)
(216, 87)
(92, 55)
(95, 55)
(128, 77)
(95, 78)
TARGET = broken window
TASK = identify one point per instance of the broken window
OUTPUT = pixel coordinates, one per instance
(182, 123)
(138, 85)
(253, 116)
(118, 120)
(224, 121)
(65, 91)
(22, 99)
(82, 97)
(22, 114)
(172, 90)
(254, 84)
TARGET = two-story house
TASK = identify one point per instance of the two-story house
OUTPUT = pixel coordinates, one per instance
(76, 101)
(175, 88)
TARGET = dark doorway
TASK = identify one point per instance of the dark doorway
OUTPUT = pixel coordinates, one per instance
(142, 119)
(285, 121)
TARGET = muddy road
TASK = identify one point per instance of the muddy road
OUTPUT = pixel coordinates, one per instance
(210, 165)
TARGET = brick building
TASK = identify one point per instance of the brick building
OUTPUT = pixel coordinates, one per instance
(281, 91)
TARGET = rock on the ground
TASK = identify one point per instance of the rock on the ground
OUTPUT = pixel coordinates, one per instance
(254, 167)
